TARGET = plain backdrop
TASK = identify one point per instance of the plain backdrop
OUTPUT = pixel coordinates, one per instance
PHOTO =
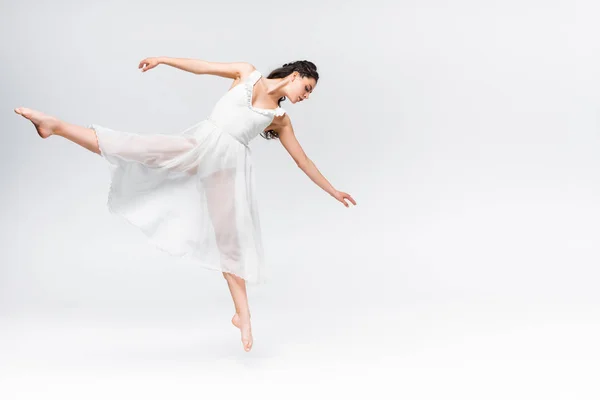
(467, 132)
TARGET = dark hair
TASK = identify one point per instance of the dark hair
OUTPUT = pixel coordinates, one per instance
(305, 69)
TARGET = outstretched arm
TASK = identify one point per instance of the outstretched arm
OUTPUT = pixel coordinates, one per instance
(289, 141)
(231, 70)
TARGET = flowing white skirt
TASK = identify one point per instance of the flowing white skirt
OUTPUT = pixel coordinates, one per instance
(192, 194)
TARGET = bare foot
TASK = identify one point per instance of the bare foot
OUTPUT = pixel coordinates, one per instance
(244, 325)
(236, 319)
(45, 124)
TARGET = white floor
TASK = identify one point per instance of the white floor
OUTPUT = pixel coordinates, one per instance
(415, 351)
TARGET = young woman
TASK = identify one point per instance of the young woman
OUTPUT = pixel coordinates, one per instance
(192, 193)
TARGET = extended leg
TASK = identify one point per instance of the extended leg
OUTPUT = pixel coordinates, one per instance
(47, 125)
(170, 152)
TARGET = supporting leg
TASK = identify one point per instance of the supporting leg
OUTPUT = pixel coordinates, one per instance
(221, 206)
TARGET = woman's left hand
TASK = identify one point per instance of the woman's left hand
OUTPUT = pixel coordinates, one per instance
(341, 196)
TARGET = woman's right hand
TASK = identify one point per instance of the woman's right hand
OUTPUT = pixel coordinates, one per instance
(149, 63)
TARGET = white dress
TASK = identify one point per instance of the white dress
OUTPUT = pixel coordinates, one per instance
(193, 193)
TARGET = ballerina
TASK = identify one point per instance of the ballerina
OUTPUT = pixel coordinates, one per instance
(193, 193)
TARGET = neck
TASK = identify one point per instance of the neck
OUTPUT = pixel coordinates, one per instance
(275, 87)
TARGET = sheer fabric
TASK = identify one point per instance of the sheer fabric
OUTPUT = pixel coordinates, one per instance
(193, 193)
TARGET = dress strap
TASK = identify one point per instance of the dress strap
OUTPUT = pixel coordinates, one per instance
(253, 77)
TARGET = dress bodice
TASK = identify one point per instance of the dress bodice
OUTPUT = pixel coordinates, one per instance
(236, 116)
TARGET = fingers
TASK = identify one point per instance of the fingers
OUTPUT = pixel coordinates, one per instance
(347, 196)
(343, 201)
(145, 65)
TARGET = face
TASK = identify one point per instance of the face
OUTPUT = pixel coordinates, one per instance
(300, 88)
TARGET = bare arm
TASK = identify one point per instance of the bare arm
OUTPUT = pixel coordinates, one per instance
(311, 170)
(289, 141)
(231, 70)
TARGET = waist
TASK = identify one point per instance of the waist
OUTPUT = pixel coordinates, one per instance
(223, 132)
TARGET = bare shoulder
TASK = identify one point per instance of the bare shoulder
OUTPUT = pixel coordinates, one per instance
(232, 70)
(281, 124)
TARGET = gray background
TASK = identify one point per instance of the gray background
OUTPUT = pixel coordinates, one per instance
(467, 132)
